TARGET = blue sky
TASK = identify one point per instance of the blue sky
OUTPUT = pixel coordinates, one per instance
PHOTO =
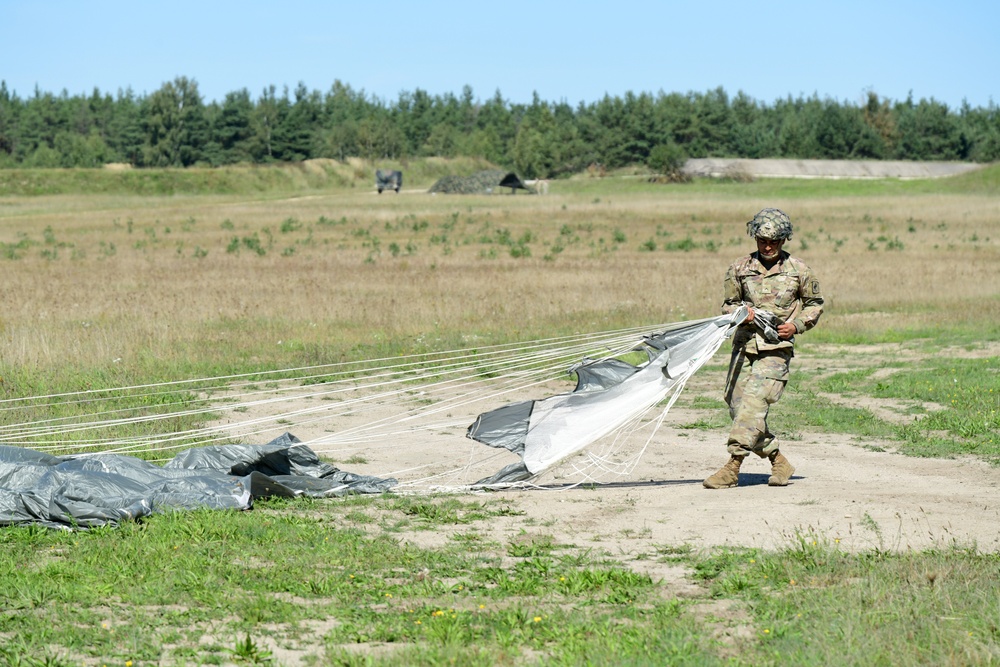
(565, 51)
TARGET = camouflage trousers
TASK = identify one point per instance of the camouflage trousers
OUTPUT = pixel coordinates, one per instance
(754, 383)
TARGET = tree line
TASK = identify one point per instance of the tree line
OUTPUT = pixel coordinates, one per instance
(175, 127)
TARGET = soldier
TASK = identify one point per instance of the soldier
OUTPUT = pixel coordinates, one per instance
(784, 299)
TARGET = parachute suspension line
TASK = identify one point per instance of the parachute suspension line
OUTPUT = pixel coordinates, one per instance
(586, 435)
(559, 351)
(20, 430)
(604, 463)
(386, 370)
(625, 345)
(497, 349)
(528, 360)
(466, 465)
(340, 437)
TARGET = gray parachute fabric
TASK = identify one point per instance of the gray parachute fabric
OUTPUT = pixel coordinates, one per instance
(609, 393)
(94, 490)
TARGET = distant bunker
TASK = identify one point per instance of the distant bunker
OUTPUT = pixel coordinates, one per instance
(481, 183)
(739, 168)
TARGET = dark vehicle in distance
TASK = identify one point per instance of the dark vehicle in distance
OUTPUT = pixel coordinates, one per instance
(388, 180)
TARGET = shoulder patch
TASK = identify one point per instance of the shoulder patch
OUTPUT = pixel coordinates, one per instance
(814, 287)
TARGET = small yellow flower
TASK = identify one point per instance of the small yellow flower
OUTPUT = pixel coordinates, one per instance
(388, 595)
(766, 631)
(791, 582)
(538, 619)
(482, 606)
(128, 663)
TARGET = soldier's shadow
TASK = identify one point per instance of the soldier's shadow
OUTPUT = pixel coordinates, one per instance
(757, 478)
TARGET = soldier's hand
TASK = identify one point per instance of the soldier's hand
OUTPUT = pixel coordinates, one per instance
(749, 319)
(786, 330)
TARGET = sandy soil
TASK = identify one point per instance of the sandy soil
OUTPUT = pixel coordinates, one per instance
(841, 492)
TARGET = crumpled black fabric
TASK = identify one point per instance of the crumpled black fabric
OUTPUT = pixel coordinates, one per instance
(767, 325)
(97, 489)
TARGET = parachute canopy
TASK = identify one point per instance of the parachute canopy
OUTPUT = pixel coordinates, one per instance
(413, 411)
(609, 394)
(93, 490)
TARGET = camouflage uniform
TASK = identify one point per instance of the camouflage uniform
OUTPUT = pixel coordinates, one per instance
(758, 369)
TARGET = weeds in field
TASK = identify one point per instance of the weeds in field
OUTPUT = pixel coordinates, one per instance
(179, 587)
(949, 406)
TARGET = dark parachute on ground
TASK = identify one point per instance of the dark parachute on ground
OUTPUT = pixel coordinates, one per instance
(481, 183)
(98, 489)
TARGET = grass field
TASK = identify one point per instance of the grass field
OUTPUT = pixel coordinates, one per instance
(115, 279)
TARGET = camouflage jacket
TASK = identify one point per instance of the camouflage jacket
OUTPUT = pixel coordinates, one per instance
(789, 290)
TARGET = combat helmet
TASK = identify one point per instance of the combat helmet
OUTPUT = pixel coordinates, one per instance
(772, 224)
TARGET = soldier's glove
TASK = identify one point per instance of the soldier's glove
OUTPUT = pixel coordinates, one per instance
(766, 325)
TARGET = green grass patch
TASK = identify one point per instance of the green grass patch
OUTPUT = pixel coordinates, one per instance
(153, 591)
(814, 604)
(211, 587)
(957, 400)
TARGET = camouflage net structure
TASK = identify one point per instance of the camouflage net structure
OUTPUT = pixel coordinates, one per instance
(487, 182)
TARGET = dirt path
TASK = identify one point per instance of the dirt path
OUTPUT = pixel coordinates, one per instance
(845, 491)
(841, 492)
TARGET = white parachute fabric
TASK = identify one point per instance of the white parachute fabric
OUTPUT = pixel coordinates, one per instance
(609, 394)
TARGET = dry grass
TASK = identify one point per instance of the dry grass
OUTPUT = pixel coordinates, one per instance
(93, 279)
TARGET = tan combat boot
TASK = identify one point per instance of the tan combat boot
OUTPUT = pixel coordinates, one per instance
(728, 475)
(781, 469)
